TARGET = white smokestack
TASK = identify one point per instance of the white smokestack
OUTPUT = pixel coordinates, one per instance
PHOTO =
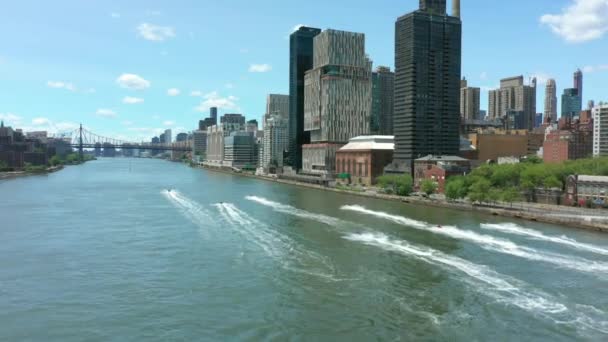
(456, 8)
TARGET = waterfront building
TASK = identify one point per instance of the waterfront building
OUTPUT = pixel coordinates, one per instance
(383, 94)
(232, 123)
(573, 139)
(514, 95)
(275, 141)
(551, 100)
(427, 83)
(489, 146)
(337, 98)
(600, 130)
(469, 101)
(240, 150)
(199, 148)
(363, 159)
(438, 169)
(583, 189)
(578, 82)
(300, 61)
(215, 145)
(572, 103)
(162, 138)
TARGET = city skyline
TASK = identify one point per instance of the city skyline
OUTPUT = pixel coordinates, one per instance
(134, 70)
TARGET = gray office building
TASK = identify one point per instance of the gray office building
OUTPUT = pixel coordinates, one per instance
(469, 101)
(240, 150)
(383, 95)
(300, 61)
(514, 95)
(337, 98)
(427, 83)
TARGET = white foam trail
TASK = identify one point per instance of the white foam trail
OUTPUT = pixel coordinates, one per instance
(512, 228)
(495, 284)
(490, 242)
(192, 210)
(287, 209)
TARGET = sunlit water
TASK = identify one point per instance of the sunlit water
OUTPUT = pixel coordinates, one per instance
(104, 251)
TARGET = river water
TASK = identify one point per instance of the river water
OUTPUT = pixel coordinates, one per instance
(103, 251)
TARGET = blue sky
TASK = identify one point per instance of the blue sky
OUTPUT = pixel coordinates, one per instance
(65, 62)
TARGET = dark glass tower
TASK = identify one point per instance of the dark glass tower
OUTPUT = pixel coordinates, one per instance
(213, 114)
(427, 83)
(300, 61)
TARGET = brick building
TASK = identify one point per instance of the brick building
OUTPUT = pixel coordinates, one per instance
(363, 159)
(439, 168)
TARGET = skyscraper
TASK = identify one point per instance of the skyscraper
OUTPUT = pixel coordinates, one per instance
(514, 96)
(300, 61)
(600, 130)
(578, 82)
(337, 98)
(277, 104)
(572, 103)
(469, 101)
(427, 83)
(213, 114)
(551, 101)
(383, 95)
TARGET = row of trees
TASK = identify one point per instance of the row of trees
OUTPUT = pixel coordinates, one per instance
(70, 159)
(403, 185)
(507, 183)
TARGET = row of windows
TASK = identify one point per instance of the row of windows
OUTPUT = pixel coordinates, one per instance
(352, 167)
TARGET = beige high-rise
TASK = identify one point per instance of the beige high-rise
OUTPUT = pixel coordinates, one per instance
(469, 101)
(513, 95)
(551, 101)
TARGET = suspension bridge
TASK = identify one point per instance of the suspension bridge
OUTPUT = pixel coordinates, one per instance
(82, 139)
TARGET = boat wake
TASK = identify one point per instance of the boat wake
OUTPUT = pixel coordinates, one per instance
(499, 287)
(276, 245)
(287, 209)
(189, 208)
(491, 243)
(512, 228)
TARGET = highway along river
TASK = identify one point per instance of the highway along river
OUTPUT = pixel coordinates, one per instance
(103, 251)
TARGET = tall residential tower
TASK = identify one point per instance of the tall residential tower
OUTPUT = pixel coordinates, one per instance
(383, 95)
(427, 83)
(551, 101)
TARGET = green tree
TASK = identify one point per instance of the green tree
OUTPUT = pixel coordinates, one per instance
(456, 188)
(3, 166)
(55, 160)
(510, 195)
(551, 182)
(429, 186)
(397, 184)
(479, 191)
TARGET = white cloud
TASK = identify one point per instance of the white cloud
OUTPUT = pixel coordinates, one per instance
(155, 33)
(173, 92)
(229, 86)
(583, 20)
(10, 119)
(132, 100)
(132, 81)
(595, 68)
(483, 76)
(61, 85)
(196, 93)
(115, 15)
(127, 123)
(106, 113)
(169, 123)
(260, 68)
(297, 27)
(214, 99)
(41, 122)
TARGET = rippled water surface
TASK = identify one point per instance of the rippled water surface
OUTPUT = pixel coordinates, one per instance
(104, 251)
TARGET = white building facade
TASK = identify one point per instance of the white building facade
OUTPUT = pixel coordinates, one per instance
(600, 130)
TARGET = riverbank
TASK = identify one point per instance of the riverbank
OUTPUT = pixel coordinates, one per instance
(17, 174)
(581, 218)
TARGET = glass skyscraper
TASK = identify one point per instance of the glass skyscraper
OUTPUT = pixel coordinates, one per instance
(572, 103)
(300, 61)
(427, 83)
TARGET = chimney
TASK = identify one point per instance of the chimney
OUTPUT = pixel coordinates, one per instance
(456, 8)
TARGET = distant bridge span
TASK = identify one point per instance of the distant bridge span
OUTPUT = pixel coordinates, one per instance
(82, 138)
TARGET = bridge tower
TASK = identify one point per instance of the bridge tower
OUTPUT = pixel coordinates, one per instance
(80, 150)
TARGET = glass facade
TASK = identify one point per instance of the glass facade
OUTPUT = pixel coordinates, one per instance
(572, 104)
(300, 61)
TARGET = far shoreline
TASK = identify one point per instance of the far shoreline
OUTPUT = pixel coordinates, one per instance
(514, 213)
